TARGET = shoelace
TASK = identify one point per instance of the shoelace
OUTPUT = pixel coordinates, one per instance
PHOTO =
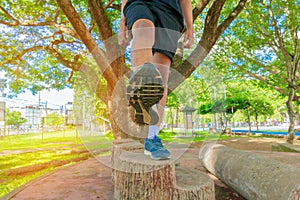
(157, 142)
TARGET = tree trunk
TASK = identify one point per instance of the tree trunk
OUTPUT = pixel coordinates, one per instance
(121, 122)
(249, 121)
(291, 114)
(172, 118)
(225, 120)
(176, 117)
(136, 176)
(256, 121)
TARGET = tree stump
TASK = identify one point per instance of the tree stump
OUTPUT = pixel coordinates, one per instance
(119, 146)
(137, 176)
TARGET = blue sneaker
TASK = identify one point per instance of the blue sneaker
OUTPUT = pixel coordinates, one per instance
(155, 149)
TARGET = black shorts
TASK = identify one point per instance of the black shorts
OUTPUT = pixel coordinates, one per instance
(168, 25)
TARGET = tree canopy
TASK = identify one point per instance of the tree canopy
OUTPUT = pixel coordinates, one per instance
(45, 43)
(264, 45)
(49, 44)
(14, 118)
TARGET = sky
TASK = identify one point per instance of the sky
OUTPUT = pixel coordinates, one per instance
(53, 98)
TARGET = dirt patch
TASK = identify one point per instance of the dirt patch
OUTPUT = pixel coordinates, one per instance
(249, 144)
(257, 144)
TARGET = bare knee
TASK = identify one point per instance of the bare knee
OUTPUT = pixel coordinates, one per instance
(142, 23)
(143, 32)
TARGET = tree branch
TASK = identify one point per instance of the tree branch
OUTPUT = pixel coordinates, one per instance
(17, 22)
(210, 35)
(69, 64)
(238, 9)
(109, 4)
(199, 8)
(263, 79)
(207, 40)
(10, 16)
(271, 69)
(114, 6)
(115, 53)
(285, 52)
(67, 30)
(88, 40)
(56, 15)
(21, 54)
(102, 21)
(49, 49)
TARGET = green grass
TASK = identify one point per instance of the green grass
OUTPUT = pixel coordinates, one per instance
(34, 140)
(168, 136)
(13, 161)
(12, 182)
(27, 151)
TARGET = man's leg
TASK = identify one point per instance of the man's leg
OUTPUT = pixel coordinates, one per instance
(145, 86)
(163, 63)
(153, 145)
(143, 35)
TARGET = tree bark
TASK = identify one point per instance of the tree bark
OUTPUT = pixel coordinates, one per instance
(256, 121)
(119, 114)
(292, 66)
(177, 117)
(86, 37)
(291, 114)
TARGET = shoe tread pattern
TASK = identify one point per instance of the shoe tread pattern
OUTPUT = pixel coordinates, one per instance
(144, 90)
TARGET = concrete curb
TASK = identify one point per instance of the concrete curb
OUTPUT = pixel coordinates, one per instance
(285, 147)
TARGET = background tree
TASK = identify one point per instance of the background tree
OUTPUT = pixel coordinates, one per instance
(205, 108)
(173, 105)
(54, 120)
(46, 42)
(260, 107)
(246, 95)
(14, 118)
(264, 44)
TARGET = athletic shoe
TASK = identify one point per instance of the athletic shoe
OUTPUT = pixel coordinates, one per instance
(155, 149)
(145, 89)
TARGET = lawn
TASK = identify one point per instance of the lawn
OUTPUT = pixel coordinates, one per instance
(28, 156)
(168, 135)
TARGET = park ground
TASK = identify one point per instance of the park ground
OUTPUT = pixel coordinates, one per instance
(67, 165)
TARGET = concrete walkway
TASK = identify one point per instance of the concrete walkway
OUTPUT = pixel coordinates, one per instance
(89, 179)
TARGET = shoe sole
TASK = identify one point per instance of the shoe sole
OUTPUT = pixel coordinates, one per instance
(154, 116)
(145, 89)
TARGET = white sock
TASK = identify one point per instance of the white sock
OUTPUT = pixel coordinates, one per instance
(153, 131)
